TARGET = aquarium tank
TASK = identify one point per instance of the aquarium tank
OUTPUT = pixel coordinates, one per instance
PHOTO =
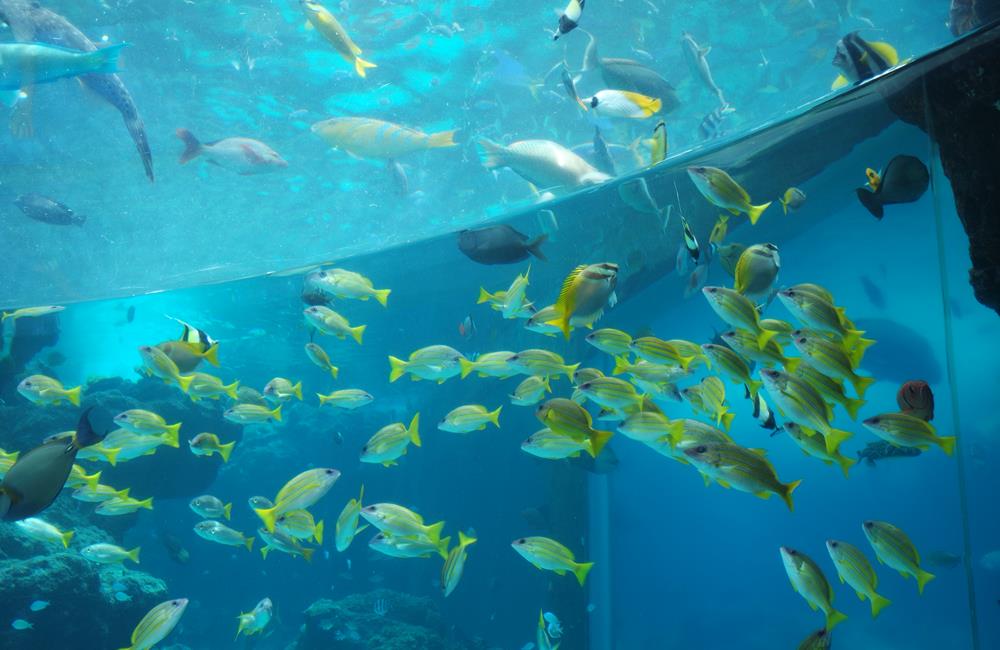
(491, 325)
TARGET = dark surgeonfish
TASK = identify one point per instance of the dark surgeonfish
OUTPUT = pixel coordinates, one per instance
(499, 245)
(30, 22)
(904, 180)
(859, 59)
(916, 398)
(41, 208)
(881, 450)
(626, 74)
(38, 476)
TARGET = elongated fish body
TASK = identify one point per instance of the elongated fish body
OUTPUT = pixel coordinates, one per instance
(157, 624)
(695, 55)
(905, 430)
(722, 190)
(347, 522)
(544, 163)
(747, 470)
(245, 156)
(331, 29)
(569, 18)
(855, 569)
(30, 22)
(809, 582)
(626, 74)
(41, 208)
(365, 137)
(25, 64)
(893, 547)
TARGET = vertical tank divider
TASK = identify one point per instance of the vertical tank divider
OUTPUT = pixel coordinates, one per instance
(569, 513)
(600, 581)
(952, 378)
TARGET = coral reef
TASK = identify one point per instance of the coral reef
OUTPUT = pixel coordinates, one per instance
(384, 619)
(83, 612)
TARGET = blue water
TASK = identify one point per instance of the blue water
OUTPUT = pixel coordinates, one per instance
(677, 564)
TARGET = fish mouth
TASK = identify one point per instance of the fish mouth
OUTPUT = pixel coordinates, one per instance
(770, 373)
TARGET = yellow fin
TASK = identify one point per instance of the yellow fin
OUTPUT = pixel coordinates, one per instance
(886, 51)
(360, 65)
(839, 82)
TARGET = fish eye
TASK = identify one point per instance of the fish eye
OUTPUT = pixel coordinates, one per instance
(521, 541)
(875, 420)
(27, 384)
(701, 449)
(593, 101)
(834, 544)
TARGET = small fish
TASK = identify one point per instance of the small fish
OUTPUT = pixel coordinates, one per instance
(283, 543)
(256, 620)
(403, 546)
(219, 533)
(366, 137)
(322, 21)
(21, 624)
(710, 126)
(550, 445)
(854, 569)
(299, 493)
(540, 363)
(244, 156)
(41, 208)
(210, 507)
(873, 178)
(146, 423)
(762, 413)
(623, 103)
(757, 269)
(321, 359)
(719, 230)
(696, 57)
(819, 640)
(549, 555)
(690, 241)
(813, 443)
(830, 359)
(434, 362)
(859, 59)
(658, 152)
(454, 564)
(157, 624)
(38, 605)
(906, 430)
(300, 524)
(612, 341)
(569, 18)
(567, 418)
(747, 470)
(348, 398)
(390, 442)
(530, 391)
(585, 293)
(792, 199)
(122, 505)
(109, 554)
(916, 398)
(47, 391)
(904, 180)
(158, 363)
(397, 520)
(893, 547)
(341, 283)
(873, 291)
(347, 522)
(206, 444)
(737, 310)
(468, 418)
(721, 190)
(808, 580)
(204, 385)
(42, 531)
(467, 328)
(252, 414)
(282, 390)
(708, 397)
(31, 312)
(570, 85)
(327, 321)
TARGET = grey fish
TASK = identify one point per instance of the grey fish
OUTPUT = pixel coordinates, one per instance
(873, 291)
(904, 180)
(499, 245)
(695, 55)
(30, 22)
(881, 450)
(626, 74)
(602, 156)
(38, 476)
(42, 208)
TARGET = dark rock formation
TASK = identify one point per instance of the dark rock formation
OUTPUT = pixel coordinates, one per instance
(29, 336)
(83, 612)
(384, 619)
(954, 100)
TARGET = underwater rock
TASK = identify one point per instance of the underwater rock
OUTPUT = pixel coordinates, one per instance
(29, 336)
(83, 613)
(954, 102)
(384, 619)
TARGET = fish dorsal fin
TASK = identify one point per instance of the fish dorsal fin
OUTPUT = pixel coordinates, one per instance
(886, 51)
(839, 82)
(705, 50)
(568, 282)
(760, 452)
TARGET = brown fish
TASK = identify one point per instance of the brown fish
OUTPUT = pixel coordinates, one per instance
(916, 398)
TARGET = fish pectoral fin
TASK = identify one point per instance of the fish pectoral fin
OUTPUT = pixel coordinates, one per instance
(812, 605)
(560, 572)
(723, 483)
(763, 494)
(839, 82)
(861, 596)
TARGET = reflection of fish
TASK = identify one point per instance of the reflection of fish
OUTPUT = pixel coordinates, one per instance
(904, 180)
(943, 559)
(26, 64)
(626, 74)
(881, 450)
(695, 55)
(623, 103)
(902, 353)
(41, 208)
(916, 398)
(710, 127)
(873, 291)
(467, 328)
(499, 245)
(602, 156)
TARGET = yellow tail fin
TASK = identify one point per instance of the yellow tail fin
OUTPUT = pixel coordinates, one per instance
(231, 389)
(248, 542)
(396, 369)
(357, 332)
(268, 516)
(834, 439)
(442, 139)
(494, 417)
(211, 355)
(845, 463)
(382, 296)
(225, 450)
(73, 395)
(323, 399)
(464, 540)
(146, 503)
(862, 384)
(833, 617)
(93, 480)
(171, 437)
(878, 603)
(414, 429)
(852, 406)
(484, 296)
(727, 420)
(754, 212)
(442, 547)
(318, 533)
(297, 390)
(184, 381)
(68, 535)
(434, 531)
(111, 455)
(134, 554)
(754, 386)
(621, 365)
(597, 441)
(947, 444)
(581, 570)
(465, 365)
(334, 370)
(360, 65)
(923, 577)
(276, 413)
(786, 494)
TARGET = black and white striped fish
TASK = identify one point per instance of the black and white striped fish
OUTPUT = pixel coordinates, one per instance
(569, 18)
(762, 413)
(711, 125)
(859, 59)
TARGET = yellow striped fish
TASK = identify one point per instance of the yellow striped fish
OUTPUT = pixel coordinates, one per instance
(365, 137)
